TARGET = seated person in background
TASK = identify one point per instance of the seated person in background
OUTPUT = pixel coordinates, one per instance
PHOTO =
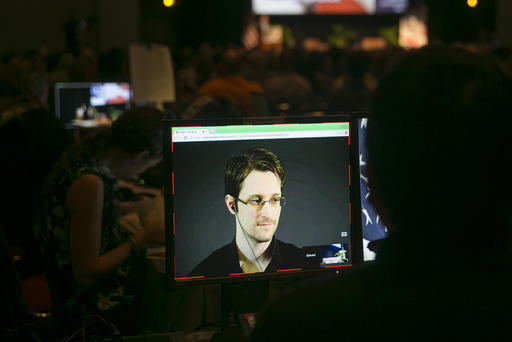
(29, 145)
(353, 95)
(254, 179)
(93, 266)
(288, 91)
(246, 96)
(23, 86)
(439, 168)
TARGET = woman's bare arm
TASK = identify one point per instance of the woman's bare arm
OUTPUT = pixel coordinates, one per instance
(85, 202)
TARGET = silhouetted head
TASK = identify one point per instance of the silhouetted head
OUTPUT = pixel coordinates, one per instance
(139, 130)
(358, 63)
(439, 148)
(136, 136)
(229, 63)
(24, 80)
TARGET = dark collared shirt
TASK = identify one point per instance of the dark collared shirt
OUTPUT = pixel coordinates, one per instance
(224, 261)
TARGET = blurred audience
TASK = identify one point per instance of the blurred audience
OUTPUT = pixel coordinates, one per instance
(246, 96)
(226, 81)
(256, 65)
(286, 90)
(23, 86)
(352, 94)
(61, 71)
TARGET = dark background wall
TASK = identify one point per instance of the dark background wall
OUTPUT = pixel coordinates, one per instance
(102, 25)
(454, 21)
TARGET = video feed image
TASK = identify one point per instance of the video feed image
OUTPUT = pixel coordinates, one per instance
(91, 104)
(373, 228)
(330, 255)
(103, 94)
(108, 100)
(355, 7)
(309, 215)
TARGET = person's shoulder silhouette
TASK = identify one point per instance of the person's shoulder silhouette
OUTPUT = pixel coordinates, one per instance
(439, 156)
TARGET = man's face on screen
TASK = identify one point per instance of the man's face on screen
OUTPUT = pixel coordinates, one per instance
(259, 223)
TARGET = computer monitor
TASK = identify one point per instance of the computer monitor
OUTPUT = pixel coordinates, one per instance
(91, 104)
(210, 226)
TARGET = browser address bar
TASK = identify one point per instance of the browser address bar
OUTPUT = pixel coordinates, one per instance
(200, 136)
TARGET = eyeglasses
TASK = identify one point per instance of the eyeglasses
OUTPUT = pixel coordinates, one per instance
(258, 203)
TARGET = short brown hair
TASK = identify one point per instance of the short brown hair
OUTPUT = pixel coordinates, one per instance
(139, 129)
(239, 167)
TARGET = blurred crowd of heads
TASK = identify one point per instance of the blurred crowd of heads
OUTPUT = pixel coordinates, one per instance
(295, 81)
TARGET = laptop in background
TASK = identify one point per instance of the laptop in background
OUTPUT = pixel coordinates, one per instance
(91, 104)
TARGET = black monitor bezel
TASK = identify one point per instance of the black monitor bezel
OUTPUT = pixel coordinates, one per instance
(356, 233)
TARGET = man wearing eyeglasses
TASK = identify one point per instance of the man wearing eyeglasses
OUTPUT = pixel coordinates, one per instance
(253, 183)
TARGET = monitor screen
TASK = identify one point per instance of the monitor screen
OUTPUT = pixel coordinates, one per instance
(373, 229)
(258, 199)
(91, 104)
(357, 7)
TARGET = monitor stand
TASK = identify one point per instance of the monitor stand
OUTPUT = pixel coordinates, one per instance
(238, 299)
